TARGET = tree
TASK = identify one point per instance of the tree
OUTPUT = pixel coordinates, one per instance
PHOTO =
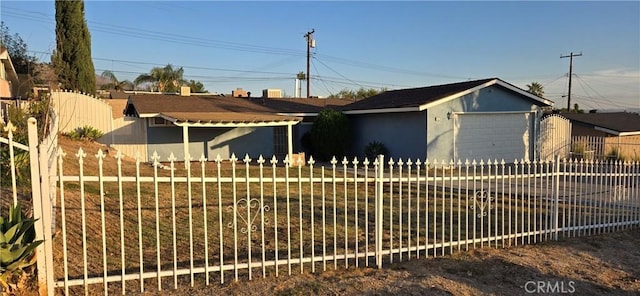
(163, 79)
(536, 88)
(115, 83)
(17, 49)
(360, 94)
(72, 57)
(196, 86)
(576, 109)
(330, 134)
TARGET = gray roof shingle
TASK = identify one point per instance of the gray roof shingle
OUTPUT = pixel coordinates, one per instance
(413, 97)
(208, 109)
(615, 121)
(416, 97)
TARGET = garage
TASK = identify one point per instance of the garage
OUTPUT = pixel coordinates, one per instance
(481, 119)
(490, 136)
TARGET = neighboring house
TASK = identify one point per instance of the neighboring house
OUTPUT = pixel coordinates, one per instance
(615, 134)
(482, 119)
(113, 94)
(8, 78)
(9, 83)
(210, 125)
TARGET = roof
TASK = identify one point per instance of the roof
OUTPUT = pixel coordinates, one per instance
(117, 107)
(118, 95)
(225, 117)
(418, 99)
(203, 110)
(300, 106)
(616, 123)
(157, 103)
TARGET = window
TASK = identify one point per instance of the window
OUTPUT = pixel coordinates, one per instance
(159, 121)
(280, 141)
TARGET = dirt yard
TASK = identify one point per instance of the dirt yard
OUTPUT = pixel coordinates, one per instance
(606, 264)
(600, 265)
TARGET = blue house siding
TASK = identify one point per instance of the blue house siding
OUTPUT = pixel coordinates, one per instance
(210, 142)
(491, 99)
(404, 134)
(430, 133)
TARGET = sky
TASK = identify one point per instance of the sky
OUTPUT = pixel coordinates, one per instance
(371, 44)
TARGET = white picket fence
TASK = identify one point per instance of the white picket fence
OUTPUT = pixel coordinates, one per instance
(154, 229)
(131, 227)
(43, 179)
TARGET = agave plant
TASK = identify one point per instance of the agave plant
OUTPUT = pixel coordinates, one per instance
(17, 245)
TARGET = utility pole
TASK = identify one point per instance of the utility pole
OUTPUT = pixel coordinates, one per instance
(570, 56)
(310, 43)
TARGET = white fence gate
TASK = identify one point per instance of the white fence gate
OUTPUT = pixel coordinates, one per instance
(555, 137)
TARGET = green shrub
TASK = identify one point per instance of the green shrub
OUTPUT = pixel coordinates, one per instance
(614, 154)
(305, 141)
(330, 134)
(40, 110)
(578, 148)
(85, 133)
(17, 245)
(375, 148)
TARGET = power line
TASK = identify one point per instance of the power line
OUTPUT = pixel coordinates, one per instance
(323, 82)
(570, 74)
(164, 36)
(138, 33)
(334, 71)
(583, 83)
(186, 67)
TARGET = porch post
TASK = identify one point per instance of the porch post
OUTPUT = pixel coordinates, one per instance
(290, 140)
(185, 143)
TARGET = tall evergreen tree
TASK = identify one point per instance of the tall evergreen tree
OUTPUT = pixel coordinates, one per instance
(72, 58)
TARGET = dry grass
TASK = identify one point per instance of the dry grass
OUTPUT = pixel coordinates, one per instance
(601, 265)
(157, 226)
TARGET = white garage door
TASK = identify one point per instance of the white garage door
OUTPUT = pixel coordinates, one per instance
(492, 136)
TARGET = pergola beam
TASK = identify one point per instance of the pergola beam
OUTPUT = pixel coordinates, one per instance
(185, 132)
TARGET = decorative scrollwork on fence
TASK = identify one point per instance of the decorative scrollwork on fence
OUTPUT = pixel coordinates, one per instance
(246, 222)
(482, 203)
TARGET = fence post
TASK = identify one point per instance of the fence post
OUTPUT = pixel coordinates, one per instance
(379, 204)
(47, 214)
(45, 271)
(556, 197)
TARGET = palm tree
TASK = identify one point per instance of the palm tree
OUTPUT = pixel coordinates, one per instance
(196, 86)
(115, 83)
(163, 79)
(536, 88)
